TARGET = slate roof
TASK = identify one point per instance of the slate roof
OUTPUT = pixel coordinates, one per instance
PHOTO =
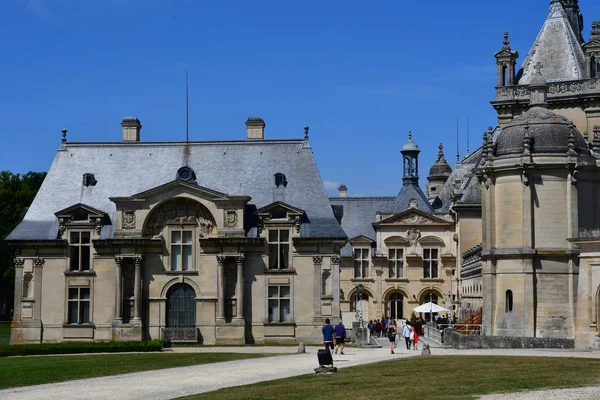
(406, 194)
(359, 215)
(557, 49)
(232, 167)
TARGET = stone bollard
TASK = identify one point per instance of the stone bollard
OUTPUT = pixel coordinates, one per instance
(301, 348)
(426, 350)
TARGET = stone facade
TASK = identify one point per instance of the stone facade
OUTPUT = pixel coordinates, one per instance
(208, 252)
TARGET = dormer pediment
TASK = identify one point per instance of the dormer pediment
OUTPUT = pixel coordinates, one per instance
(279, 209)
(81, 215)
(412, 217)
(178, 187)
(280, 213)
(80, 210)
(361, 240)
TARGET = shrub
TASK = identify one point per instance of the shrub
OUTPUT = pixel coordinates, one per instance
(79, 347)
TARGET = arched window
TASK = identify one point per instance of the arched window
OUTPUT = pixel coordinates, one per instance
(594, 68)
(181, 306)
(509, 301)
(395, 309)
(504, 75)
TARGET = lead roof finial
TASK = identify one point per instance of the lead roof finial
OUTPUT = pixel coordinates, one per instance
(306, 128)
(506, 42)
(441, 152)
(595, 28)
(64, 135)
(409, 135)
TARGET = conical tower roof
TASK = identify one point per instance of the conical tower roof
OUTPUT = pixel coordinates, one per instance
(440, 169)
(557, 48)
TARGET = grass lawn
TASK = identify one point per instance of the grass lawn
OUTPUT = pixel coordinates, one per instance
(4, 333)
(24, 371)
(446, 377)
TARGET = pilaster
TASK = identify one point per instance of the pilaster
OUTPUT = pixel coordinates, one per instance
(38, 264)
(137, 289)
(317, 264)
(19, 263)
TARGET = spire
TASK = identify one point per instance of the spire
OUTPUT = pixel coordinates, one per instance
(557, 46)
(573, 12)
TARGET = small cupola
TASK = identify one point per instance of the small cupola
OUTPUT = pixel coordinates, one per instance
(438, 175)
(410, 156)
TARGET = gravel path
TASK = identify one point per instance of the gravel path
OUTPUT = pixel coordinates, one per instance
(183, 381)
(585, 393)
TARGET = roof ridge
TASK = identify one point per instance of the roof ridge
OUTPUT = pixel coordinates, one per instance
(183, 143)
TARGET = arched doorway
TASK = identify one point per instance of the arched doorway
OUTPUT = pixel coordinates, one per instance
(395, 306)
(181, 306)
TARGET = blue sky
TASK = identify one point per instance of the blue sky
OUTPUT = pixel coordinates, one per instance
(360, 74)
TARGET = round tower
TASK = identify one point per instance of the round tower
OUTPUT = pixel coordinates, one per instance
(536, 184)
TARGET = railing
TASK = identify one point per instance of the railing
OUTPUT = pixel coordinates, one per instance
(468, 329)
(435, 332)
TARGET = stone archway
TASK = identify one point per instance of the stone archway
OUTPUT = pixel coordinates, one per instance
(179, 210)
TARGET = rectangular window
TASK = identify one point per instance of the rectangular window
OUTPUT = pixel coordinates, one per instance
(396, 263)
(361, 263)
(279, 303)
(181, 250)
(80, 251)
(79, 306)
(279, 248)
(430, 263)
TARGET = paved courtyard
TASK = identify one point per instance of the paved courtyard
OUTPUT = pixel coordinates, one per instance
(176, 382)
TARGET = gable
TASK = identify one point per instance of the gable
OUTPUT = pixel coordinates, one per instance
(412, 217)
(80, 209)
(280, 207)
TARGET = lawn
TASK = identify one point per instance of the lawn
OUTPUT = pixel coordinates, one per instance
(446, 377)
(4, 333)
(24, 371)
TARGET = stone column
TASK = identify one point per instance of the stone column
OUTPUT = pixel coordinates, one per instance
(19, 262)
(221, 288)
(378, 300)
(317, 262)
(119, 304)
(38, 263)
(137, 289)
(239, 288)
(335, 273)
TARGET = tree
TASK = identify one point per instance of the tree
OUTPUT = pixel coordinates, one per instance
(16, 194)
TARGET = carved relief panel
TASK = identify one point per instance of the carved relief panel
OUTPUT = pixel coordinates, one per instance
(180, 210)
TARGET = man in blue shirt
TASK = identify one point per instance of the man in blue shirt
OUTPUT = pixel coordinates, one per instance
(340, 337)
(328, 335)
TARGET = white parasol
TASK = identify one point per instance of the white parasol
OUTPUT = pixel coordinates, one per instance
(430, 308)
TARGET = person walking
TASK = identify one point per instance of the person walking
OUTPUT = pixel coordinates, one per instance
(391, 332)
(328, 333)
(406, 334)
(340, 337)
(415, 338)
(411, 335)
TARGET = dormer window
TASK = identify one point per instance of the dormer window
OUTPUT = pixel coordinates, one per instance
(280, 180)
(79, 251)
(89, 180)
(186, 174)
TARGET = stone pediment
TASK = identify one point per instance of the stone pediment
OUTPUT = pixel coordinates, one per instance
(80, 209)
(411, 218)
(177, 187)
(279, 206)
(361, 239)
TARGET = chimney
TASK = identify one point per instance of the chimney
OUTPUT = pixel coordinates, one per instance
(343, 190)
(131, 129)
(255, 128)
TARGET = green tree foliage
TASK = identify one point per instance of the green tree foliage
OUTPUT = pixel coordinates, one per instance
(16, 194)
